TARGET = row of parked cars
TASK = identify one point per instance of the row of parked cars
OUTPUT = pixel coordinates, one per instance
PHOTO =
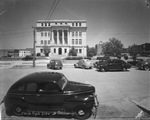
(103, 64)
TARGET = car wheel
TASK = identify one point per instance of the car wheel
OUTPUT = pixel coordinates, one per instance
(82, 113)
(75, 65)
(124, 69)
(83, 67)
(102, 70)
(17, 110)
(146, 68)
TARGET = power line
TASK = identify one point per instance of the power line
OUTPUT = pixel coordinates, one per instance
(53, 9)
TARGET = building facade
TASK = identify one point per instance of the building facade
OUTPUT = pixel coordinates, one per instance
(24, 52)
(57, 37)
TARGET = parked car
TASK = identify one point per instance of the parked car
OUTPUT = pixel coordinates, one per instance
(134, 62)
(26, 58)
(50, 93)
(145, 64)
(55, 64)
(113, 64)
(100, 59)
(83, 63)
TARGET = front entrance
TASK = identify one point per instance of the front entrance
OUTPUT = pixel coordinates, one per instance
(60, 51)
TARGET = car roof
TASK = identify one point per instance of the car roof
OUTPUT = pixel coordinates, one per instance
(42, 76)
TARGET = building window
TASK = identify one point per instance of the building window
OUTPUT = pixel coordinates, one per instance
(42, 34)
(76, 41)
(45, 33)
(41, 41)
(80, 41)
(72, 24)
(79, 24)
(73, 34)
(41, 50)
(48, 41)
(48, 33)
(49, 24)
(80, 34)
(76, 33)
(42, 24)
(76, 24)
(72, 41)
(45, 42)
(45, 24)
(55, 23)
(65, 50)
(54, 50)
(80, 50)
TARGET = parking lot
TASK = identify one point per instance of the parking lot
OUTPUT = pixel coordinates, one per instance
(115, 90)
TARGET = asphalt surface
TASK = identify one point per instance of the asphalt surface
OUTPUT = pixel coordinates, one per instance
(115, 90)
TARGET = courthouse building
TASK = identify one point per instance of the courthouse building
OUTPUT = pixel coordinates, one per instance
(57, 37)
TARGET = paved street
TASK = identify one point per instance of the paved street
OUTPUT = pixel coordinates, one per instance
(114, 89)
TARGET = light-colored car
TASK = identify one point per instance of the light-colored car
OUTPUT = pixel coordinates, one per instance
(84, 63)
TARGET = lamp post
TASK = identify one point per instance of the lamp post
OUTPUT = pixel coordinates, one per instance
(34, 40)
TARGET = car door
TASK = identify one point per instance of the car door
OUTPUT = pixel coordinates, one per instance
(110, 65)
(30, 97)
(79, 63)
(118, 65)
(50, 97)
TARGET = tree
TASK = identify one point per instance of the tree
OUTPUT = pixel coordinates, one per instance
(112, 48)
(73, 52)
(134, 50)
(91, 51)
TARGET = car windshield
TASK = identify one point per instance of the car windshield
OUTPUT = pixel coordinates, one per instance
(62, 82)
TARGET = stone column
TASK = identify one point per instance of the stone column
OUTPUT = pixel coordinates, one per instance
(57, 37)
(63, 42)
(68, 38)
(52, 36)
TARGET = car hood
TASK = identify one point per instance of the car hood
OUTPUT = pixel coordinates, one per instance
(76, 87)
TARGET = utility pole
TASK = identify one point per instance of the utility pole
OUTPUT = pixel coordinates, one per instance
(34, 40)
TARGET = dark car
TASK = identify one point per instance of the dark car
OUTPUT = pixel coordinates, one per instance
(134, 62)
(100, 59)
(113, 64)
(50, 93)
(145, 64)
(26, 58)
(55, 64)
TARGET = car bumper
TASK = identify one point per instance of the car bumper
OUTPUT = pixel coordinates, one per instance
(95, 107)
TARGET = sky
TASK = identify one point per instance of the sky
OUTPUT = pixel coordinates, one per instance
(125, 20)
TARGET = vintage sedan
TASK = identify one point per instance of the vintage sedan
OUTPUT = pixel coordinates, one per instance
(113, 64)
(145, 64)
(135, 62)
(83, 63)
(26, 58)
(55, 64)
(45, 94)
